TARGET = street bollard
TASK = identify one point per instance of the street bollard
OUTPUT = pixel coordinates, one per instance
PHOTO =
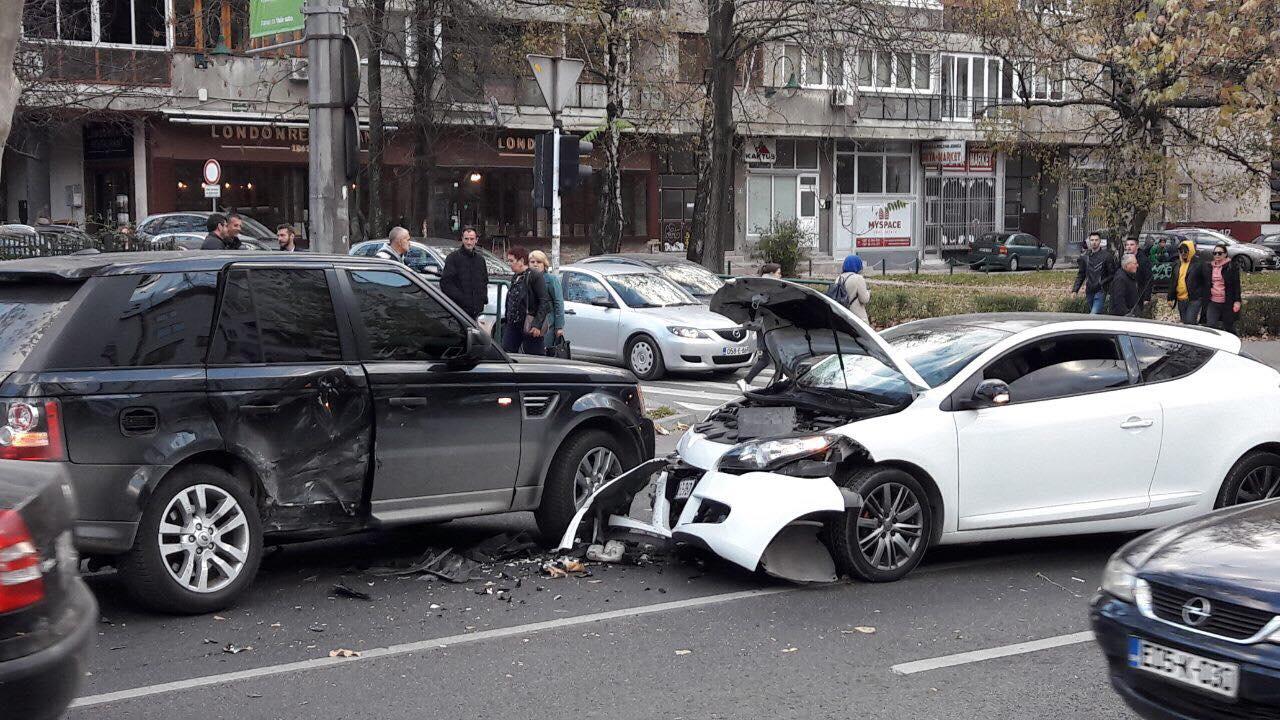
(810, 267)
(951, 268)
(917, 266)
(729, 270)
(884, 270)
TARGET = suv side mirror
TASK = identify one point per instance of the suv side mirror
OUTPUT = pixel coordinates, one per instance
(990, 393)
(475, 347)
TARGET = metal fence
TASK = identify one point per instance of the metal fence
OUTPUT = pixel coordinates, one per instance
(16, 244)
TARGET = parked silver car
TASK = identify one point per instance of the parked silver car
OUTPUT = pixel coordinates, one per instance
(623, 313)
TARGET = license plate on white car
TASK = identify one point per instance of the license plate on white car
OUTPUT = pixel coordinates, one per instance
(735, 351)
(1221, 678)
(685, 488)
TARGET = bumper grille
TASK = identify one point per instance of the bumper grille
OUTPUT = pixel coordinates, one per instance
(730, 359)
(733, 334)
(1199, 705)
(1227, 620)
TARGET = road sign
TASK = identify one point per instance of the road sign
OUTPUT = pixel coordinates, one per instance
(212, 173)
(556, 78)
(270, 17)
(213, 191)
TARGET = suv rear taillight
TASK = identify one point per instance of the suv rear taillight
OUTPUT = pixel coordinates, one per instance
(21, 581)
(31, 430)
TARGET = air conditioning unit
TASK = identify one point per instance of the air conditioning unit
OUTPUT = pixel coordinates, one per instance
(298, 70)
(841, 97)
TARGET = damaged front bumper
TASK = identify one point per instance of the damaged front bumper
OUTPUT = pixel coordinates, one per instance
(757, 520)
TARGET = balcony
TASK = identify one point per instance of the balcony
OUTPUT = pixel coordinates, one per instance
(934, 108)
(93, 64)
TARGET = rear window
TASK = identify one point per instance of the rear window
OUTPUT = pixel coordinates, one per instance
(26, 312)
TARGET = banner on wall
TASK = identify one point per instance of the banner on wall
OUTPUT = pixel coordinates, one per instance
(760, 150)
(270, 17)
(886, 224)
(945, 154)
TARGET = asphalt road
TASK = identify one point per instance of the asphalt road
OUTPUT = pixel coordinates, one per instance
(677, 639)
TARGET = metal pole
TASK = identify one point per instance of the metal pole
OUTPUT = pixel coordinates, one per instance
(327, 174)
(555, 193)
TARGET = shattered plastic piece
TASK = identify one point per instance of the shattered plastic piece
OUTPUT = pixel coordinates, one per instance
(218, 617)
(341, 590)
(319, 628)
(861, 629)
(234, 649)
(660, 429)
(610, 552)
(798, 554)
(452, 567)
(344, 653)
(210, 641)
(565, 566)
(504, 546)
(684, 652)
(789, 650)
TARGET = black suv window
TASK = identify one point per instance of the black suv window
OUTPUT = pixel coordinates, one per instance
(401, 320)
(1060, 367)
(276, 315)
(1160, 360)
(26, 312)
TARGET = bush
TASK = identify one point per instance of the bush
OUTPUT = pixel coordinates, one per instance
(1259, 315)
(786, 244)
(1006, 303)
(1073, 304)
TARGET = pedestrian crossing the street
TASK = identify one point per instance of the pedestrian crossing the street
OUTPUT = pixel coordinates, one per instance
(698, 395)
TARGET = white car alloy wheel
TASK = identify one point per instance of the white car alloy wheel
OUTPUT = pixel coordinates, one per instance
(204, 538)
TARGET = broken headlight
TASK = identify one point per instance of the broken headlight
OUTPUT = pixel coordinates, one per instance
(774, 455)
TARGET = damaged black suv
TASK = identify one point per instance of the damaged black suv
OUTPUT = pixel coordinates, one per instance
(201, 402)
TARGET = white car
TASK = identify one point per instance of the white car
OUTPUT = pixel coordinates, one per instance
(633, 315)
(958, 429)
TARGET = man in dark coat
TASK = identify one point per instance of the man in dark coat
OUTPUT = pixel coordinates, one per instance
(220, 236)
(1189, 284)
(1144, 272)
(465, 279)
(1096, 268)
(1126, 294)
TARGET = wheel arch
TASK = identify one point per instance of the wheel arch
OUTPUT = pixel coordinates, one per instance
(224, 460)
(1272, 447)
(596, 419)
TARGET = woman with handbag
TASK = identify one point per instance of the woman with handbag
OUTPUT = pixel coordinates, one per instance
(554, 330)
(528, 307)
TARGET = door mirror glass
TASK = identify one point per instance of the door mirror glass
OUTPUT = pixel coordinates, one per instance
(990, 393)
(475, 347)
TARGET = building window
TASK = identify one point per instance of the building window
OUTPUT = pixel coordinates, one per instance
(397, 39)
(812, 68)
(792, 154)
(894, 71)
(770, 199)
(113, 22)
(874, 168)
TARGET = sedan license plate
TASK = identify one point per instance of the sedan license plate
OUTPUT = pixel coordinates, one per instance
(1221, 678)
(685, 488)
(735, 351)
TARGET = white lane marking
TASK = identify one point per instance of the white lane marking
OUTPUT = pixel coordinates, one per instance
(974, 656)
(651, 390)
(422, 645)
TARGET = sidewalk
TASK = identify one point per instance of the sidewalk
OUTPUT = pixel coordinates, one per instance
(1268, 351)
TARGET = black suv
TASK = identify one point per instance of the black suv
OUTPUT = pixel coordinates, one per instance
(198, 402)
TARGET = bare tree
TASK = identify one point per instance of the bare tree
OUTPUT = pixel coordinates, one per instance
(10, 26)
(1157, 89)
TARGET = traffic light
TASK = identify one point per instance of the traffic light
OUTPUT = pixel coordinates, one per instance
(349, 89)
(543, 159)
(575, 153)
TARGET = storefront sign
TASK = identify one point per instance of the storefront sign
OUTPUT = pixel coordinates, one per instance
(946, 154)
(981, 159)
(514, 145)
(757, 150)
(286, 138)
(269, 17)
(880, 225)
(104, 141)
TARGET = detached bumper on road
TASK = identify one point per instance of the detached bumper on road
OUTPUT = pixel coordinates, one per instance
(41, 685)
(1155, 698)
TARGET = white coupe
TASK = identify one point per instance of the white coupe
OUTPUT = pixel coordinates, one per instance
(952, 430)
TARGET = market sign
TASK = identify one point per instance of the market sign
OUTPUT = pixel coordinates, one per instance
(981, 158)
(757, 150)
(271, 17)
(885, 224)
(946, 154)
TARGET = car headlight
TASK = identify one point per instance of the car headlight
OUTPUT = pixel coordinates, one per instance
(1119, 579)
(772, 454)
(686, 332)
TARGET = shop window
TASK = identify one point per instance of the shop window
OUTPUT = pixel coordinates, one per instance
(876, 168)
(897, 174)
(770, 199)
(792, 154)
(116, 22)
(845, 174)
(870, 174)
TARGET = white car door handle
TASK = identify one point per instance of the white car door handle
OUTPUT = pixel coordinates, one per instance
(1136, 423)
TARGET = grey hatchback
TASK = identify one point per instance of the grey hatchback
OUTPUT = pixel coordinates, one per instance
(1010, 251)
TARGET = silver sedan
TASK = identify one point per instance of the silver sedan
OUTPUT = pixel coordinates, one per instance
(636, 317)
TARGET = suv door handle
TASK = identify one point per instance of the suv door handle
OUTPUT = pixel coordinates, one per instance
(1137, 423)
(259, 409)
(408, 402)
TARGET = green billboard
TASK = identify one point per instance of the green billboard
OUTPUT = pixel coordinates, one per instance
(270, 17)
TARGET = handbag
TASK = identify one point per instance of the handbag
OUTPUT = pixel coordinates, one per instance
(560, 349)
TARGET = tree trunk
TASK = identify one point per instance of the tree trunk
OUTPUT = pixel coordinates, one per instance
(426, 19)
(608, 235)
(720, 212)
(702, 194)
(10, 22)
(377, 136)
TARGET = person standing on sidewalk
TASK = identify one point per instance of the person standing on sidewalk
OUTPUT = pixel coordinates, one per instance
(855, 287)
(397, 246)
(1143, 274)
(220, 236)
(1126, 293)
(465, 279)
(554, 329)
(528, 305)
(1224, 291)
(1189, 285)
(1096, 268)
(287, 237)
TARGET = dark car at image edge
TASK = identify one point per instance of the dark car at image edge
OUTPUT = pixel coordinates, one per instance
(199, 402)
(1189, 616)
(48, 617)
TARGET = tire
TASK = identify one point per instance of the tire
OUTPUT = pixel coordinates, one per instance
(1255, 477)
(1244, 263)
(153, 581)
(1013, 263)
(1049, 261)
(872, 484)
(655, 368)
(564, 490)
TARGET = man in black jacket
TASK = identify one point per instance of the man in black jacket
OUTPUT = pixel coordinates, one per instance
(1097, 267)
(1189, 284)
(465, 279)
(1143, 274)
(528, 304)
(1125, 292)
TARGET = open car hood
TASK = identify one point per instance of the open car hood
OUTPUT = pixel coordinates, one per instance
(800, 323)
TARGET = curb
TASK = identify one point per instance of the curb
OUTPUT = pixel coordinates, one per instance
(671, 422)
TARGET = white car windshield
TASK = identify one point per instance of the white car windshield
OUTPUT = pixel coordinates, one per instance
(695, 280)
(648, 290)
(936, 352)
